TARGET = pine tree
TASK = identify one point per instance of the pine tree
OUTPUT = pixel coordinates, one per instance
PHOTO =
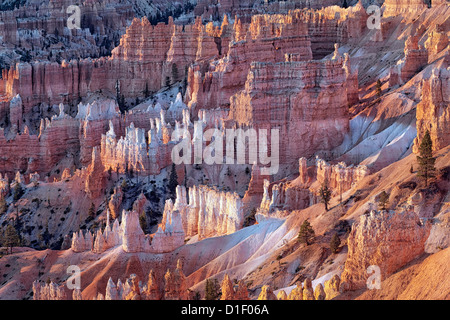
(91, 212)
(173, 180)
(146, 91)
(335, 242)
(325, 194)
(174, 73)
(3, 205)
(378, 88)
(11, 238)
(306, 233)
(212, 289)
(383, 200)
(426, 160)
(17, 192)
(143, 221)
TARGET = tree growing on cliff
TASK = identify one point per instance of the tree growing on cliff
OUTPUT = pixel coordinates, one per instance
(378, 88)
(212, 289)
(174, 73)
(383, 200)
(17, 191)
(11, 238)
(425, 160)
(143, 221)
(306, 233)
(335, 242)
(325, 194)
(173, 180)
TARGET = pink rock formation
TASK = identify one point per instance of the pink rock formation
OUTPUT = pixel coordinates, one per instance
(209, 213)
(437, 41)
(95, 176)
(48, 291)
(175, 284)
(397, 7)
(39, 153)
(133, 239)
(153, 291)
(132, 151)
(227, 288)
(319, 292)
(339, 177)
(266, 38)
(241, 291)
(432, 112)
(170, 234)
(115, 202)
(388, 240)
(81, 242)
(416, 57)
(299, 94)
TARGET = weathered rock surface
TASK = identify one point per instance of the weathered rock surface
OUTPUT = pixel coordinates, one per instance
(388, 240)
(432, 112)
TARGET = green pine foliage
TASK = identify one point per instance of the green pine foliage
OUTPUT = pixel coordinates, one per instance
(425, 159)
(306, 233)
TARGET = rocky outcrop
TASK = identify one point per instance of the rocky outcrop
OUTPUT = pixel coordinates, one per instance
(267, 293)
(296, 293)
(175, 284)
(266, 38)
(209, 212)
(432, 113)
(227, 288)
(95, 176)
(282, 295)
(399, 7)
(48, 291)
(416, 57)
(40, 152)
(308, 293)
(285, 197)
(319, 292)
(170, 234)
(436, 42)
(332, 287)
(132, 152)
(146, 59)
(152, 291)
(388, 240)
(81, 242)
(115, 202)
(130, 236)
(300, 95)
(339, 177)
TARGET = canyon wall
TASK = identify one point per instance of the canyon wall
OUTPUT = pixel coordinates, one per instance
(303, 100)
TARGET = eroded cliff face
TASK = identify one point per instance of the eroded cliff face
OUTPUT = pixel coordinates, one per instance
(147, 58)
(388, 240)
(432, 112)
(303, 100)
(402, 7)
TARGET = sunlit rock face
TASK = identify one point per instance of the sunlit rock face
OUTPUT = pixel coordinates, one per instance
(384, 239)
(432, 112)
